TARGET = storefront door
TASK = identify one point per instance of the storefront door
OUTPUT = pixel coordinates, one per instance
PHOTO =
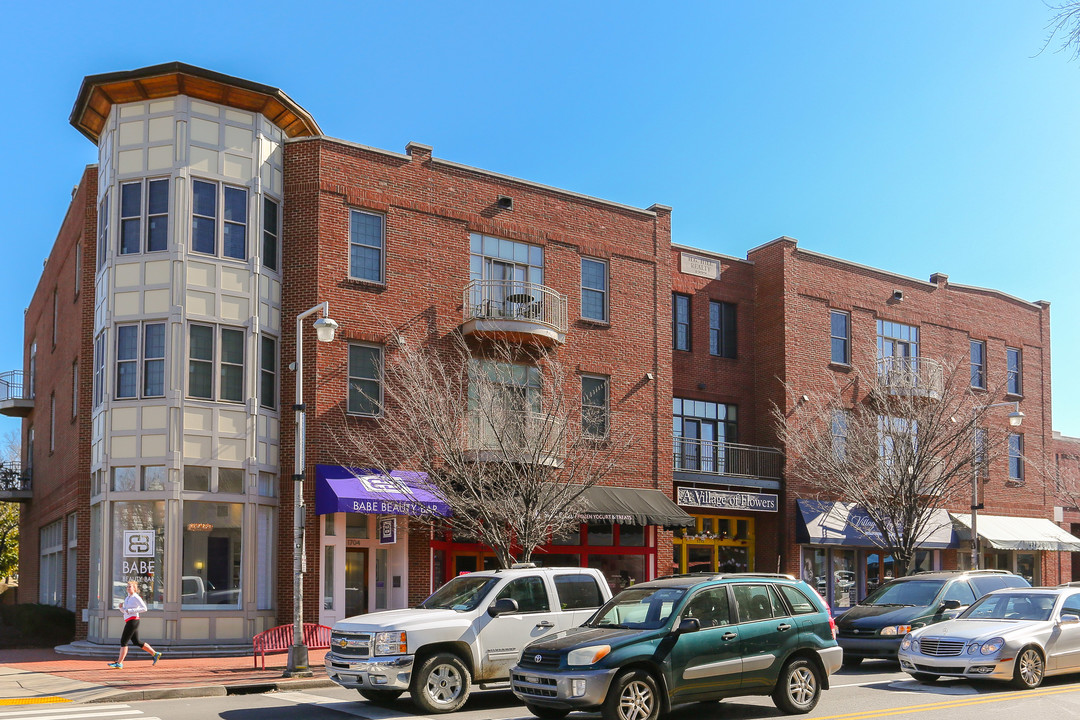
(356, 602)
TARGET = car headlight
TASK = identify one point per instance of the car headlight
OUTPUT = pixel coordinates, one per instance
(894, 630)
(390, 643)
(992, 645)
(907, 642)
(587, 655)
(973, 648)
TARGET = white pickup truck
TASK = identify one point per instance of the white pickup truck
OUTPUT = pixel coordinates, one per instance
(470, 631)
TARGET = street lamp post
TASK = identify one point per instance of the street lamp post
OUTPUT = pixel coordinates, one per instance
(297, 663)
(1015, 419)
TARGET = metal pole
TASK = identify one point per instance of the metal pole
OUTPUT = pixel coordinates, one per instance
(297, 662)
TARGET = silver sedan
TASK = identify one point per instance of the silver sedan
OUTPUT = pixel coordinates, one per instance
(1014, 635)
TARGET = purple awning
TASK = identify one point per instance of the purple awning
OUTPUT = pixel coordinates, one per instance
(342, 489)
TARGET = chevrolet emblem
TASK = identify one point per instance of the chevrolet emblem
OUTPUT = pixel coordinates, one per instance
(343, 643)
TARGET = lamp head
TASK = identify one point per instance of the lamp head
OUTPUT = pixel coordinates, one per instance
(325, 328)
(1016, 418)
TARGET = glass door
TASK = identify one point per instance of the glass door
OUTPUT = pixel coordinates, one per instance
(356, 601)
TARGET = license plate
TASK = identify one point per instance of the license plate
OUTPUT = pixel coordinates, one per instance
(532, 679)
(348, 678)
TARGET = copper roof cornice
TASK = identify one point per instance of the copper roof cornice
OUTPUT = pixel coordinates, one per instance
(100, 92)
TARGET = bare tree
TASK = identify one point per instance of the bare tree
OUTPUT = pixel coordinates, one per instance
(1064, 28)
(902, 443)
(500, 433)
(1065, 471)
(9, 512)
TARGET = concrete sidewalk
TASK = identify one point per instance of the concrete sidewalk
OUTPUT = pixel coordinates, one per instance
(35, 676)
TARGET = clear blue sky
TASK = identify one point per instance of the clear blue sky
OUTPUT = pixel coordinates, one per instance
(917, 137)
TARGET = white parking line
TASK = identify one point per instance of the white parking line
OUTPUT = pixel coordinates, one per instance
(70, 713)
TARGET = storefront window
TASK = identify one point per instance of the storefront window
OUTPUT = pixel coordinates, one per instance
(601, 534)
(356, 526)
(556, 559)
(94, 599)
(125, 479)
(1025, 567)
(714, 544)
(815, 570)
(211, 576)
(621, 571)
(264, 567)
(844, 587)
(632, 535)
(138, 551)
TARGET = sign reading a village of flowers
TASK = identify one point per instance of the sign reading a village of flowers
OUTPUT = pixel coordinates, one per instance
(727, 500)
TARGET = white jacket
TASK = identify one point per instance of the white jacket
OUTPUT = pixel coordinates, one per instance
(133, 605)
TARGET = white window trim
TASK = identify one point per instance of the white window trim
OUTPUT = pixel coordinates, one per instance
(606, 380)
(140, 360)
(604, 293)
(382, 250)
(216, 364)
(220, 222)
(381, 380)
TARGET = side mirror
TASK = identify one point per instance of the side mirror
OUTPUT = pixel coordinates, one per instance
(1069, 619)
(503, 606)
(688, 625)
(950, 605)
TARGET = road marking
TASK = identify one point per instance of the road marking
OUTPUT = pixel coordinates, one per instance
(70, 713)
(946, 704)
(349, 707)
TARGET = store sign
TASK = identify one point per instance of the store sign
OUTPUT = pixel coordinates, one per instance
(700, 266)
(139, 553)
(727, 500)
(387, 530)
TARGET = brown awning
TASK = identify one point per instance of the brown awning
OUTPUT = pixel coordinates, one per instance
(632, 506)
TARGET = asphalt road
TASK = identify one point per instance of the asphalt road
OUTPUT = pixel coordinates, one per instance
(876, 690)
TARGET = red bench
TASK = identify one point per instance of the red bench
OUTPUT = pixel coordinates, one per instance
(280, 639)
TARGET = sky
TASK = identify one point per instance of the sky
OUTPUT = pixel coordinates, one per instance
(915, 137)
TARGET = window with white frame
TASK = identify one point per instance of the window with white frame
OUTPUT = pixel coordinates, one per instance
(51, 567)
(840, 419)
(1013, 369)
(271, 233)
(594, 405)
(506, 276)
(366, 244)
(594, 289)
(268, 364)
(219, 219)
(103, 230)
(99, 369)
(680, 321)
(1016, 457)
(227, 354)
(840, 337)
(144, 216)
(140, 350)
(978, 364)
(722, 329)
(365, 379)
(897, 443)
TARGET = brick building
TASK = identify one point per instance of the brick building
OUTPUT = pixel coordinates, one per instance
(156, 392)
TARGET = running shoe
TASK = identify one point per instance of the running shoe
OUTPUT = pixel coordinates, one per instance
(118, 666)
(157, 656)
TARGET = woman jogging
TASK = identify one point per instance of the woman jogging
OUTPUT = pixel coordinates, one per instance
(131, 607)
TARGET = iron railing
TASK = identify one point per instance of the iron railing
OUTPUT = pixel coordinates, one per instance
(724, 458)
(12, 477)
(510, 300)
(908, 376)
(11, 386)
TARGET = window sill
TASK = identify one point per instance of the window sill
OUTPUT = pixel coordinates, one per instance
(1014, 396)
(1013, 482)
(839, 367)
(722, 357)
(595, 323)
(364, 284)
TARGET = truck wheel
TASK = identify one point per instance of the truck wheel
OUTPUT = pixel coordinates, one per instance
(380, 697)
(633, 696)
(546, 713)
(441, 684)
(798, 687)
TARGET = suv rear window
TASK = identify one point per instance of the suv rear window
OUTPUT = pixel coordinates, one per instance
(987, 583)
(577, 592)
(800, 604)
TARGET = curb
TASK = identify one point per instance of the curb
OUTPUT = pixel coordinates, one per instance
(209, 690)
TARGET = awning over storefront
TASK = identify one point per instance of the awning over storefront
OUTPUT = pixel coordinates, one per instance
(836, 523)
(1018, 533)
(342, 489)
(633, 506)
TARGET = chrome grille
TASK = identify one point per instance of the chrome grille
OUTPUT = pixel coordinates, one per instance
(350, 645)
(939, 647)
(539, 687)
(547, 661)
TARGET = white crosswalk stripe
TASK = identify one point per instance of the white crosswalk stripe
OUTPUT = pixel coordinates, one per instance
(72, 712)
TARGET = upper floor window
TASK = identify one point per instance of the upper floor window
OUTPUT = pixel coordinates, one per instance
(594, 289)
(365, 379)
(271, 233)
(227, 355)
(506, 276)
(513, 389)
(103, 230)
(75, 389)
(99, 369)
(140, 353)
(702, 431)
(840, 433)
(55, 315)
(268, 372)
(1016, 457)
(366, 246)
(144, 216)
(594, 405)
(680, 321)
(897, 442)
(896, 340)
(722, 329)
(78, 268)
(1013, 368)
(978, 364)
(840, 337)
(219, 219)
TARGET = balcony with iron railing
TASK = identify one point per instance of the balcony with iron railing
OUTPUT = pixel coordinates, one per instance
(14, 483)
(910, 377)
(15, 400)
(516, 311)
(516, 437)
(708, 460)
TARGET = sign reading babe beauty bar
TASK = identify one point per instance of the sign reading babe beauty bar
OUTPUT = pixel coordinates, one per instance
(727, 500)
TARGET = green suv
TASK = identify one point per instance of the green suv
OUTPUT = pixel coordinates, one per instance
(685, 638)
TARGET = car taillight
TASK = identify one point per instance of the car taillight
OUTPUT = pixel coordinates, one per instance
(832, 623)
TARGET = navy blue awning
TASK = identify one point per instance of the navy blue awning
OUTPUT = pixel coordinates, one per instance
(342, 489)
(822, 522)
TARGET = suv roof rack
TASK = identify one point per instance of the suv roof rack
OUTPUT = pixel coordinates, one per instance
(721, 576)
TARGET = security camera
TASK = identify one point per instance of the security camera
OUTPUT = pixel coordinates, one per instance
(897, 295)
